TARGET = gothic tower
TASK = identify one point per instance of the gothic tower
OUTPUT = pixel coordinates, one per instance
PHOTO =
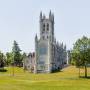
(43, 46)
(49, 54)
(47, 26)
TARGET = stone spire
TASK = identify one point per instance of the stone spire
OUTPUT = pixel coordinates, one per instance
(44, 17)
(40, 15)
(53, 18)
(65, 47)
(50, 15)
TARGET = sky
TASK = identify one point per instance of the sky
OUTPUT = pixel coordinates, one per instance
(19, 20)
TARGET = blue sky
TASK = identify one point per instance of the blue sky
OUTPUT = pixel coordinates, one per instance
(19, 20)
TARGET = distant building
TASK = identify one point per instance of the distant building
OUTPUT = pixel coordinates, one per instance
(29, 62)
(49, 54)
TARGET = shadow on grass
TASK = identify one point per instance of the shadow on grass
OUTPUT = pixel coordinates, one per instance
(3, 70)
(88, 77)
(56, 71)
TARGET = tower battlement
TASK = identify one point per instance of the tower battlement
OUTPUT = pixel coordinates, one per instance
(43, 17)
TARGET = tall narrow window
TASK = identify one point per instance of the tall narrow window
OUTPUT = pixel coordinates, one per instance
(47, 27)
(47, 37)
(43, 27)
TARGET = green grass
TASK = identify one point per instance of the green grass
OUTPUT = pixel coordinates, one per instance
(67, 79)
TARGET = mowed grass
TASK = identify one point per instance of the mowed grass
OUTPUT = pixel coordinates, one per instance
(67, 79)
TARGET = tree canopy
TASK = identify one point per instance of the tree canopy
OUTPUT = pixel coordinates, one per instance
(16, 54)
(81, 52)
(2, 60)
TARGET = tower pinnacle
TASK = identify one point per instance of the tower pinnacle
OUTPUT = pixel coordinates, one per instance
(40, 15)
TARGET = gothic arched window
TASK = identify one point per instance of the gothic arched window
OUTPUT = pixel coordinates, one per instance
(43, 27)
(47, 27)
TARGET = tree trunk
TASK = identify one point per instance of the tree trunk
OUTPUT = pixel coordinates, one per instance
(13, 70)
(79, 71)
(85, 71)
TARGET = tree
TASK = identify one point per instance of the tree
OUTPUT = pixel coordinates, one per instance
(2, 60)
(9, 58)
(16, 54)
(23, 56)
(81, 53)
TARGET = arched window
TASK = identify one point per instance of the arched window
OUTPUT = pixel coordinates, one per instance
(43, 27)
(47, 27)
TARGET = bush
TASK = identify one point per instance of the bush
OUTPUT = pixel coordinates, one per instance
(3, 70)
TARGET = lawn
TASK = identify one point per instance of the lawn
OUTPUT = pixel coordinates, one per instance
(67, 79)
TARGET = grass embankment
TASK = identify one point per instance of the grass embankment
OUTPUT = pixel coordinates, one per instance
(67, 79)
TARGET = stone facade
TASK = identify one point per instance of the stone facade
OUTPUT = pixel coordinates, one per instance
(49, 54)
(29, 62)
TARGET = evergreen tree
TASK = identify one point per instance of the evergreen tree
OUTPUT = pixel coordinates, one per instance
(16, 54)
(9, 58)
